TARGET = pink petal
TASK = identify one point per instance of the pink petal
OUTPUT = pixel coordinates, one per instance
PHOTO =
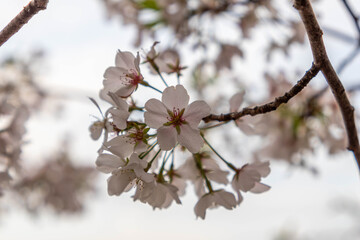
(166, 137)
(156, 114)
(107, 163)
(245, 128)
(125, 60)
(126, 90)
(236, 101)
(204, 203)
(175, 97)
(262, 167)
(218, 176)
(240, 197)
(225, 199)
(119, 118)
(195, 112)
(190, 138)
(118, 182)
(137, 62)
(120, 146)
(96, 130)
(140, 147)
(114, 73)
(260, 188)
(172, 191)
(120, 103)
(146, 177)
(245, 179)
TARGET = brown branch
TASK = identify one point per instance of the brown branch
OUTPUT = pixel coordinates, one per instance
(271, 106)
(321, 59)
(21, 19)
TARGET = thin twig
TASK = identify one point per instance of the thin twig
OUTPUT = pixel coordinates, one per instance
(339, 35)
(354, 17)
(348, 59)
(21, 19)
(321, 59)
(271, 106)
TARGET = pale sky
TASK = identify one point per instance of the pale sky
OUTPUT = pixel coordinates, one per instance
(80, 44)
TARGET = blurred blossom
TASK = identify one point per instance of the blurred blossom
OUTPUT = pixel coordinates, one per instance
(58, 184)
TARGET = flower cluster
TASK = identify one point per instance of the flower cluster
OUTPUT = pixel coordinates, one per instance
(140, 154)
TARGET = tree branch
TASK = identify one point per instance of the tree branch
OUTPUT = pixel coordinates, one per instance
(21, 19)
(321, 59)
(271, 106)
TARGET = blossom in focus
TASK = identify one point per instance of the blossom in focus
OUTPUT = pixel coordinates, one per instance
(135, 140)
(248, 178)
(175, 120)
(157, 194)
(214, 199)
(122, 179)
(124, 78)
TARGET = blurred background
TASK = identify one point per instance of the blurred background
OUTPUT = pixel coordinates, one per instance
(56, 61)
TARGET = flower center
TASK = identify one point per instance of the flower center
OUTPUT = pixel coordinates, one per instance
(134, 77)
(136, 135)
(176, 118)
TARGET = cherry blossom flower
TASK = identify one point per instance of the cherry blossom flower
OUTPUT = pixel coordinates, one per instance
(124, 78)
(133, 141)
(157, 194)
(214, 199)
(175, 120)
(167, 61)
(248, 178)
(123, 178)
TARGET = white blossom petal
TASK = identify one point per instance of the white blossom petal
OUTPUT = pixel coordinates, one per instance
(118, 181)
(195, 112)
(114, 73)
(262, 167)
(245, 179)
(218, 176)
(107, 163)
(125, 60)
(146, 177)
(190, 138)
(204, 203)
(260, 188)
(120, 146)
(167, 137)
(236, 101)
(245, 128)
(137, 62)
(240, 197)
(156, 114)
(175, 97)
(119, 118)
(140, 147)
(120, 103)
(126, 90)
(225, 199)
(96, 129)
